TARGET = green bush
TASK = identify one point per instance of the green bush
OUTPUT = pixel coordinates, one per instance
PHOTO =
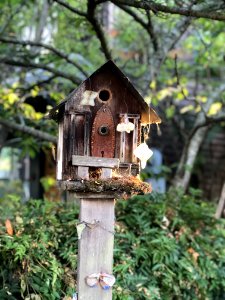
(166, 247)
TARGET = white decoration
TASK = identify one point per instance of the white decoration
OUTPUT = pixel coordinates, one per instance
(80, 229)
(125, 125)
(88, 98)
(121, 127)
(130, 126)
(108, 280)
(143, 153)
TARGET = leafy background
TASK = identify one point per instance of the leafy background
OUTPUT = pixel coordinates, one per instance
(166, 247)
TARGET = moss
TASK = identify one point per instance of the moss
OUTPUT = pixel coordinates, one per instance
(119, 185)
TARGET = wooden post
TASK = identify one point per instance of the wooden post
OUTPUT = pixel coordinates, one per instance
(96, 244)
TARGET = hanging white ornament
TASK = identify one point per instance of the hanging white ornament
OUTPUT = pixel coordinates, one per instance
(121, 127)
(129, 127)
(125, 125)
(143, 153)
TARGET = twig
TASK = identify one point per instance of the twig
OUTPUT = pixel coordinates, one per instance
(207, 122)
(27, 64)
(178, 77)
(147, 26)
(90, 16)
(29, 130)
(45, 46)
(98, 29)
(38, 83)
(71, 8)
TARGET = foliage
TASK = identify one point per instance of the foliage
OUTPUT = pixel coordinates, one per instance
(40, 258)
(166, 247)
(174, 59)
(169, 247)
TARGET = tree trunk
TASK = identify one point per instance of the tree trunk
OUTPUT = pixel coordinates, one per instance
(192, 146)
(186, 165)
(221, 205)
(42, 21)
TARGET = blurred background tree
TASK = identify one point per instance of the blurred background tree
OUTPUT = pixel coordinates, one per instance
(173, 52)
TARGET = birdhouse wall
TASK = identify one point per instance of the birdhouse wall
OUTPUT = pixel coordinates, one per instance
(75, 141)
(109, 96)
(118, 98)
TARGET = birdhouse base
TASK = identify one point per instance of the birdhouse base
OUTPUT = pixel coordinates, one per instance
(120, 186)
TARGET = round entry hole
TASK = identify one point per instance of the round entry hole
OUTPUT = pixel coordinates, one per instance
(103, 130)
(104, 95)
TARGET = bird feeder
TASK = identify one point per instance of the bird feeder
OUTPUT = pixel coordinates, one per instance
(99, 131)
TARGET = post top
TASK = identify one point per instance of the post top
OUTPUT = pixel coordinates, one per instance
(115, 187)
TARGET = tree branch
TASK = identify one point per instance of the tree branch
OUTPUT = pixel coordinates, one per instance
(29, 130)
(208, 121)
(45, 46)
(90, 16)
(32, 65)
(98, 29)
(38, 83)
(71, 8)
(147, 26)
(155, 7)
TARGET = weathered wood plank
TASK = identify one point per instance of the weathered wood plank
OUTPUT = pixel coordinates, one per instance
(60, 153)
(135, 139)
(83, 172)
(95, 246)
(98, 162)
(122, 146)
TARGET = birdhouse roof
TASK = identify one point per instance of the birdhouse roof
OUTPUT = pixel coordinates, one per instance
(148, 116)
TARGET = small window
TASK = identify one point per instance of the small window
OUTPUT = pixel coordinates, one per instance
(104, 95)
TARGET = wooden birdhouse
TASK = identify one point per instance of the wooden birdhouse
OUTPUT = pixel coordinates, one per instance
(100, 131)
(100, 126)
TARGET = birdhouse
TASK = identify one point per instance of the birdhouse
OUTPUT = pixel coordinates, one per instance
(100, 126)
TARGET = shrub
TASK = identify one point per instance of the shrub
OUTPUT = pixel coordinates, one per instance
(166, 247)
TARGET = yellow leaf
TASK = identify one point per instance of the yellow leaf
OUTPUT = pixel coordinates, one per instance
(186, 109)
(148, 100)
(12, 98)
(162, 94)
(214, 108)
(35, 91)
(153, 85)
(202, 99)
(198, 108)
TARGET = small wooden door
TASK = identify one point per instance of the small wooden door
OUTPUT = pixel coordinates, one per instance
(103, 134)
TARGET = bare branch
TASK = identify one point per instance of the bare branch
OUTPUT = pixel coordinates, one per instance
(29, 130)
(71, 8)
(183, 28)
(208, 121)
(155, 7)
(98, 29)
(45, 46)
(38, 83)
(147, 26)
(26, 64)
(90, 16)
